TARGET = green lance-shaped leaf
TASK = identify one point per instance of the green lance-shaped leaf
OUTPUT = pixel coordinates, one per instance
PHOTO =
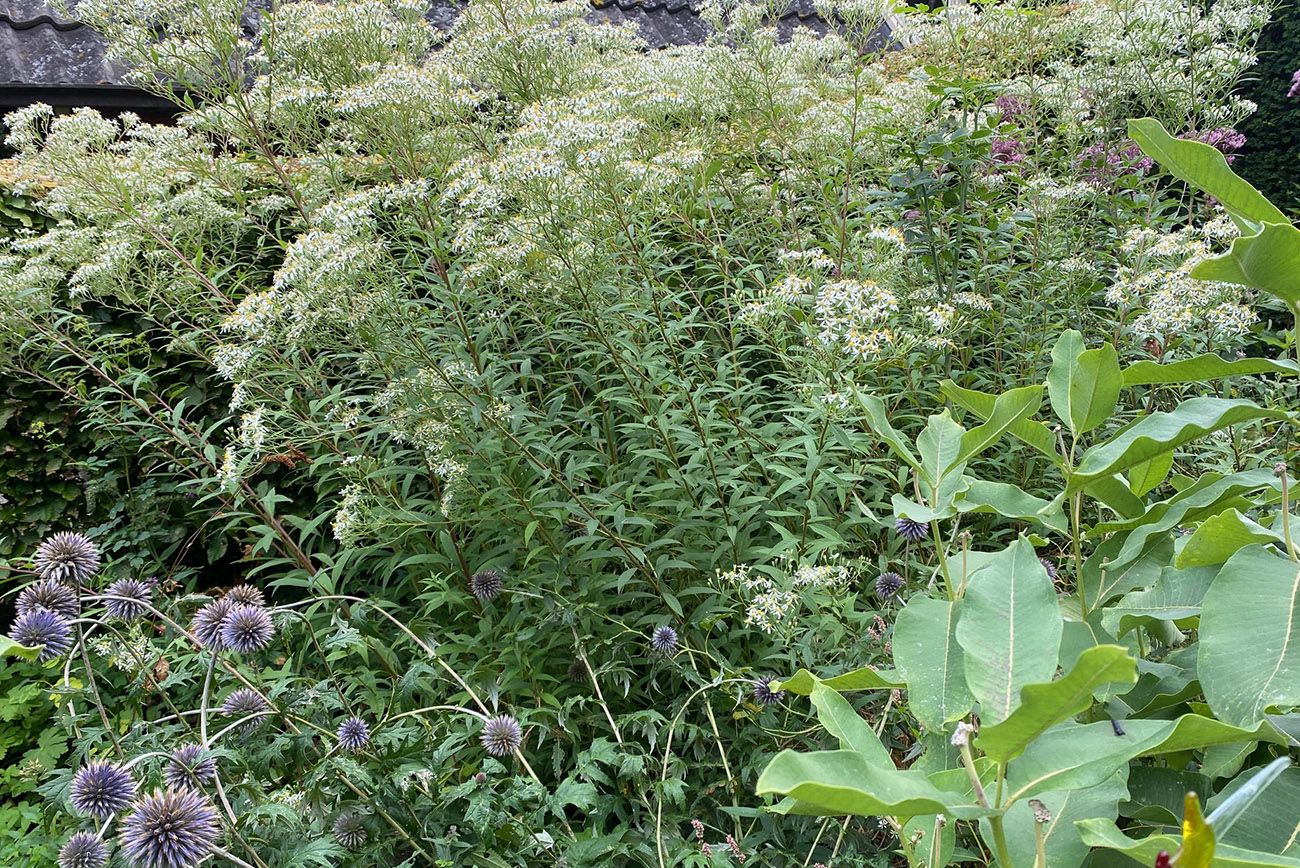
(1175, 595)
(1010, 501)
(1062, 844)
(1009, 410)
(1103, 581)
(1010, 630)
(1042, 706)
(866, 678)
(939, 446)
(1071, 756)
(1260, 810)
(878, 420)
(1161, 432)
(1221, 536)
(982, 404)
(1249, 657)
(1083, 385)
(1145, 477)
(1203, 166)
(930, 660)
(1268, 260)
(1104, 834)
(841, 782)
(842, 721)
(1203, 369)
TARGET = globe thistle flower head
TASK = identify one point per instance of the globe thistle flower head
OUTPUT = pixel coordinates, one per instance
(354, 734)
(67, 557)
(188, 767)
(502, 735)
(912, 531)
(888, 584)
(245, 595)
(1050, 567)
(764, 694)
(101, 789)
(208, 621)
(128, 598)
(45, 628)
(58, 597)
(247, 629)
(245, 702)
(663, 640)
(350, 830)
(171, 829)
(83, 850)
(486, 584)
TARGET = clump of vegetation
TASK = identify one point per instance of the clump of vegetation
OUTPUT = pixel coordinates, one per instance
(521, 418)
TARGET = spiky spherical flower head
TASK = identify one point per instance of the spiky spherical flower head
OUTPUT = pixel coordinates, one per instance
(245, 702)
(101, 789)
(350, 830)
(247, 629)
(83, 850)
(67, 557)
(663, 640)
(912, 531)
(208, 621)
(45, 628)
(245, 595)
(353, 734)
(888, 584)
(189, 767)
(764, 694)
(172, 829)
(1050, 567)
(128, 598)
(58, 597)
(501, 735)
(486, 584)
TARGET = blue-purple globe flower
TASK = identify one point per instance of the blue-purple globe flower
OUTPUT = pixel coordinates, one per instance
(171, 829)
(763, 692)
(45, 628)
(247, 629)
(128, 599)
(501, 735)
(67, 557)
(101, 789)
(663, 640)
(189, 767)
(245, 595)
(245, 702)
(888, 584)
(83, 850)
(353, 734)
(208, 621)
(486, 584)
(350, 830)
(912, 531)
(58, 597)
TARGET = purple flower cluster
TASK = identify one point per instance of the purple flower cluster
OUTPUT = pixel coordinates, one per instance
(1101, 163)
(83, 850)
(1224, 139)
(1295, 84)
(188, 767)
(1010, 108)
(663, 640)
(1008, 151)
(47, 629)
(501, 735)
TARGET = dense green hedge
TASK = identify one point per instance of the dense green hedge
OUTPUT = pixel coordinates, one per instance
(1272, 150)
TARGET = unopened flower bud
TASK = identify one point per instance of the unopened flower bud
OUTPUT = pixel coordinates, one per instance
(1041, 814)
